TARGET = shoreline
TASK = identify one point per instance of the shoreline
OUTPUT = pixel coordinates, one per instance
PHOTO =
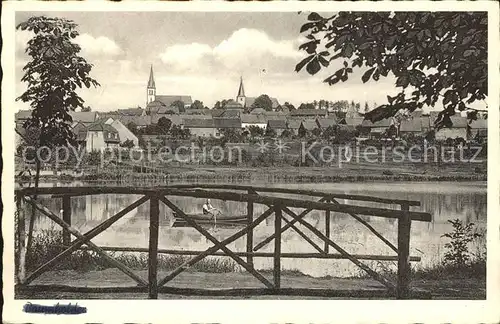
(286, 174)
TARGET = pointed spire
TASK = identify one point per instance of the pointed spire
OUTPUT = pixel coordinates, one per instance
(241, 90)
(151, 82)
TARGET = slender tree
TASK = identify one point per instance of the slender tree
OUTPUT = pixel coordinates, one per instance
(53, 74)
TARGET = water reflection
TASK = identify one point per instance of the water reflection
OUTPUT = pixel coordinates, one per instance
(445, 201)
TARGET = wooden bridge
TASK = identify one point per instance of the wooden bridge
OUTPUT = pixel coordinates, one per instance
(284, 219)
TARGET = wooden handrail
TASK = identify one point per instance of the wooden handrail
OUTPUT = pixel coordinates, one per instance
(312, 193)
(228, 196)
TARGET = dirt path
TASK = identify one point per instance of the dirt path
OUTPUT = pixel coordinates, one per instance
(439, 289)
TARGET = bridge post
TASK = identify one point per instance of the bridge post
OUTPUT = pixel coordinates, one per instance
(250, 232)
(66, 207)
(154, 222)
(404, 267)
(327, 227)
(277, 247)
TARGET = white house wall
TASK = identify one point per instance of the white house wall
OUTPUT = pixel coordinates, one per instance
(246, 125)
(124, 133)
(95, 141)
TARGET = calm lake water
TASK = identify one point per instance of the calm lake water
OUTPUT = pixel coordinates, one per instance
(444, 200)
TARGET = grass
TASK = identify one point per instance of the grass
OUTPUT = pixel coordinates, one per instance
(475, 269)
(48, 243)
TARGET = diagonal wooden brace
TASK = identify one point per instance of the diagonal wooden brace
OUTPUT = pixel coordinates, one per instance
(348, 256)
(284, 228)
(373, 230)
(221, 246)
(304, 236)
(215, 248)
(80, 236)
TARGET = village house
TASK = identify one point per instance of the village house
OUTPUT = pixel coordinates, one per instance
(309, 113)
(159, 108)
(425, 123)
(175, 119)
(132, 112)
(123, 132)
(356, 121)
(226, 123)
(307, 126)
(248, 120)
(324, 123)
(139, 121)
(85, 117)
(478, 130)
(195, 111)
(80, 131)
(277, 125)
(22, 115)
(101, 136)
(457, 130)
(227, 113)
(293, 125)
(378, 128)
(200, 127)
(410, 126)
(275, 115)
(258, 111)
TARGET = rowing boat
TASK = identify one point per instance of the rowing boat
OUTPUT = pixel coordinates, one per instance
(207, 219)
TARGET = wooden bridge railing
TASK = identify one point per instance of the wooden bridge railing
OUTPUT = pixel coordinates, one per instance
(277, 206)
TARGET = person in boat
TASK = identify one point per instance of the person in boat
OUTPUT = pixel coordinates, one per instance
(208, 209)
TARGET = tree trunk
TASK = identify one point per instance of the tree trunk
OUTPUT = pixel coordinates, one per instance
(33, 210)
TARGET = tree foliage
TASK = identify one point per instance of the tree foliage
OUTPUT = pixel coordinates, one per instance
(197, 105)
(255, 131)
(231, 135)
(306, 106)
(53, 75)
(263, 101)
(132, 127)
(164, 125)
(289, 106)
(434, 56)
(179, 105)
(221, 103)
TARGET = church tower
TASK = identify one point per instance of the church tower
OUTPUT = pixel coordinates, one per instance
(151, 89)
(240, 98)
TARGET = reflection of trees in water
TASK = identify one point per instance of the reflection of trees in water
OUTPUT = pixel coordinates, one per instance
(470, 207)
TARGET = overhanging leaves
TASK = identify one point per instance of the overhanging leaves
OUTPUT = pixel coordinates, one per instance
(434, 52)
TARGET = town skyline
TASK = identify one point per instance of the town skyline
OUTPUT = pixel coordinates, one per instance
(204, 63)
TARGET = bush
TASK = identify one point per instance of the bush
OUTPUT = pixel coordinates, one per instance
(457, 250)
(127, 144)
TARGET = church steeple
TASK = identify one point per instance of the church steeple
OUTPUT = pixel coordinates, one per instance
(240, 98)
(151, 88)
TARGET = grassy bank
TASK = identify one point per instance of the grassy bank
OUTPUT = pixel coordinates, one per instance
(47, 244)
(284, 174)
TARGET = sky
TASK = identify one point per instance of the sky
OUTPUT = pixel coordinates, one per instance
(202, 54)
